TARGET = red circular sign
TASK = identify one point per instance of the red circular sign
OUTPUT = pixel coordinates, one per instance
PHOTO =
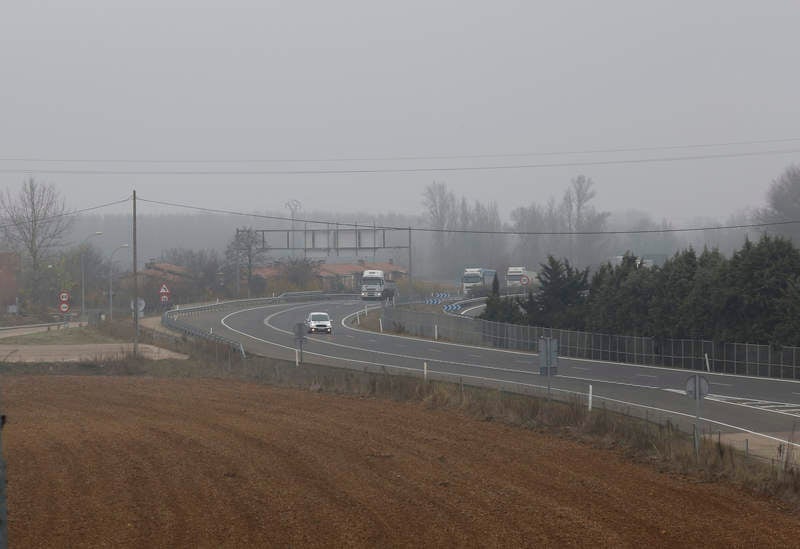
(63, 296)
(63, 307)
(524, 280)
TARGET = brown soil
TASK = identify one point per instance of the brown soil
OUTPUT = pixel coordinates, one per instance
(141, 462)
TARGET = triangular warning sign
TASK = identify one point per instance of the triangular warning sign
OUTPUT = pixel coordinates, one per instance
(164, 289)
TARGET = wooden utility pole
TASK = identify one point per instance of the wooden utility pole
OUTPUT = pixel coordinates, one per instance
(135, 287)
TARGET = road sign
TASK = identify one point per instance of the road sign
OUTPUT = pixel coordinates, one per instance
(140, 303)
(691, 386)
(524, 280)
(164, 290)
(63, 296)
(164, 298)
(63, 307)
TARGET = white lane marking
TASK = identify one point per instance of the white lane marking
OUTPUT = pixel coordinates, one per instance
(473, 355)
(589, 360)
(646, 375)
(728, 425)
(269, 324)
(579, 368)
(465, 311)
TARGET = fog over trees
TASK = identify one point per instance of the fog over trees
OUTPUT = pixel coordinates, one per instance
(453, 231)
(450, 232)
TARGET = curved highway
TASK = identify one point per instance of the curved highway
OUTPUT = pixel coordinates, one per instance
(758, 406)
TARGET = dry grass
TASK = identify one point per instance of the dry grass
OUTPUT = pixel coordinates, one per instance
(61, 336)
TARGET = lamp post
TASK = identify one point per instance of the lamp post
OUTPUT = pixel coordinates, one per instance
(83, 274)
(111, 278)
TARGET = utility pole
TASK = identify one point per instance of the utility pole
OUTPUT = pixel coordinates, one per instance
(135, 287)
(410, 287)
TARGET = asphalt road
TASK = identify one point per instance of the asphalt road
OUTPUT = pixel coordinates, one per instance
(736, 404)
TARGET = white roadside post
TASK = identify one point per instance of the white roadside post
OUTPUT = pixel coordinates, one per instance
(590, 398)
(425, 371)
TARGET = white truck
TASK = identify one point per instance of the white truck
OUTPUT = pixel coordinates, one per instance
(476, 281)
(520, 278)
(375, 286)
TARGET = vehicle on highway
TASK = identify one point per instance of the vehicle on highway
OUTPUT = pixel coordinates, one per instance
(477, 281)
(374, 285)
(319, 322)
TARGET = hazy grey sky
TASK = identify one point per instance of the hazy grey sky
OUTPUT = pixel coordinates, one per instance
(210, 80)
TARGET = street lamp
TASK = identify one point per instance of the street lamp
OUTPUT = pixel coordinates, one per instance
(110, 278)
(83, 275)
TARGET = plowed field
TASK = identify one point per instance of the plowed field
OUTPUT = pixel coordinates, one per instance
(141, 462)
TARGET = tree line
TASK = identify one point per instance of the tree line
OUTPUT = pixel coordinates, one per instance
(751, 297)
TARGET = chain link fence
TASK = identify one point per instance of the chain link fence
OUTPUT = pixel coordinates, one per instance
(692, 354)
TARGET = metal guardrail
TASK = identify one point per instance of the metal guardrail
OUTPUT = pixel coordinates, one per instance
(23, 326)
(730, 358)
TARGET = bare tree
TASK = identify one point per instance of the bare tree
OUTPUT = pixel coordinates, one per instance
(35, 221)
(442, 213)
(247, 250)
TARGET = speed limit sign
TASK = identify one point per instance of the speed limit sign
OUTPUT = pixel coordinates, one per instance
(63, 307)
(63, 296)
(524, 280)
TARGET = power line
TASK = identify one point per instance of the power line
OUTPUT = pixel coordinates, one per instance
(497, 167)
(72, 212)
(472, 231)
(393, 158)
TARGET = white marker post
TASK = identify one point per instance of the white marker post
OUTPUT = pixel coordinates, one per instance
(425, 371)
(296, 357)
(436, 332)
(708, 367)
(590, 398)
(380, 324)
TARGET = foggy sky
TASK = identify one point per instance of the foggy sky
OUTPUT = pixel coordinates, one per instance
(207, 80)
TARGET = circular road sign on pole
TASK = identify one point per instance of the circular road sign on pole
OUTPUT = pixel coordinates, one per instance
(63, 296)
(63, 307)
(524, 280)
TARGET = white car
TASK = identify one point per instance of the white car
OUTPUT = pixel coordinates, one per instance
(319, 322)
